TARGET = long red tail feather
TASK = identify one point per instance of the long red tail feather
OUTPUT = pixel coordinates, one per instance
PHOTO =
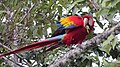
(52, 47)
(32, 46)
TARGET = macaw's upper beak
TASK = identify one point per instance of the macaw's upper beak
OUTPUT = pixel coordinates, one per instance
(86, 24)
(85, 21)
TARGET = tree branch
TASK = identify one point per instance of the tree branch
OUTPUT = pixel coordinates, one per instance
(13, 61)
(73, 54)
(94, 4)
(27, 13)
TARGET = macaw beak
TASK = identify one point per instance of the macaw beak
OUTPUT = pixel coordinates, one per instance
(86, 22)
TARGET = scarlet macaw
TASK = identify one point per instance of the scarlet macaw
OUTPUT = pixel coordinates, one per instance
(72, 30)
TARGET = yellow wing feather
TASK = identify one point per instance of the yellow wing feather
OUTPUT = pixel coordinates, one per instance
(66, 21)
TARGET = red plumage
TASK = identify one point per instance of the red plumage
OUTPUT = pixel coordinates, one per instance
(73, 30)
(75, 36)
(31, 46)
(78, 21)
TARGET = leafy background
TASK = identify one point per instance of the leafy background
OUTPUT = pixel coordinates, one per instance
(26, 21)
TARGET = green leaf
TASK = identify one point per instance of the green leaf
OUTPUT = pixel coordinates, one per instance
(107, 3)
(2, 11)
(114, 43)
(1, 63)
(111, 37)
(106, 48)
(118, 62)
(106, 44)
(104, 3)
(60, 11)
(50, 2)
(62, 3)
(118, 6)
(103, 11)
(106, 64)
(35, 32)
(3, 28)
(114, 2)
(39, 32)
(29, 32)
(90, 35)
(112, 10)
(109, 64)
(75, 2)
(118, 58)
(53, 27)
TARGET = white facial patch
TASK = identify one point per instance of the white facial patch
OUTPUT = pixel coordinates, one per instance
(85, 21)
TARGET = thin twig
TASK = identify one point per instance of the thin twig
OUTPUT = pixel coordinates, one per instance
(12, 61)
(27, 13)
(7, 58)
(7, 9)
(16, 55)
(94, 4)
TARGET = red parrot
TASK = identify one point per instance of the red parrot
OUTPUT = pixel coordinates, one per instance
(72, 30)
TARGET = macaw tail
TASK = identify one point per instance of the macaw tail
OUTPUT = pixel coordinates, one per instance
(52, 47)
(35, 45)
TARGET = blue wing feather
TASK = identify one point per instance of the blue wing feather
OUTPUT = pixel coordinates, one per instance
(61, 29)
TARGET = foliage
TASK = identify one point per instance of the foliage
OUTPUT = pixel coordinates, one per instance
(27, 21)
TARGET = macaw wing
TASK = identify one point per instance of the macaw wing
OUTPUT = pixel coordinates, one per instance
(61, 30)
(69, 22)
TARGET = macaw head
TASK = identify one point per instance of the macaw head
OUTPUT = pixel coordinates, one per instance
(88, 23)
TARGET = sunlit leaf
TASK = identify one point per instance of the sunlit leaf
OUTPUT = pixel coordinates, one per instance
(104, 3)
(2, 11)
(102, 12)
(35, 32)
(39, 32)
(118, 6)
(50, 2)
(112, 10)
(60, 11)
(113, 3)
(106, 44)
(111, 37)
(114, 42)
(75, 2)
(62, 3)
(106, 48)
(108, 64)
